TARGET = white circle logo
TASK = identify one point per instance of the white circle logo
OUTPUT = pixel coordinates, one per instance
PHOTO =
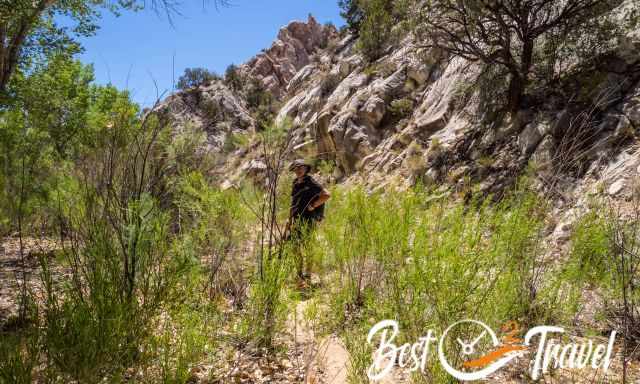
(468, 348)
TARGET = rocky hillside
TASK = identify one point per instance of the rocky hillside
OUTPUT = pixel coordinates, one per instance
(291, 51)
(414, 114)
(146, 248)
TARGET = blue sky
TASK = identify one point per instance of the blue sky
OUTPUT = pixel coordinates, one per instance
(136, 48)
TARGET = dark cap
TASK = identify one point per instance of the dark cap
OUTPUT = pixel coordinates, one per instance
(299, 163)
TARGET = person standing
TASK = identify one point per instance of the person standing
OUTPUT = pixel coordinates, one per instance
(307, 209)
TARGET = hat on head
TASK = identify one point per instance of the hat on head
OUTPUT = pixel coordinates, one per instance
(299, 163)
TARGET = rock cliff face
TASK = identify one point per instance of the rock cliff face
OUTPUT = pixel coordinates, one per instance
(291, 51)
(213, 108)
(410, 115)
(404, 117)
(415, 115)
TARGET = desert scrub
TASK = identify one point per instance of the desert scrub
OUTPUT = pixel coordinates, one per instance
(266, 307)
(19, 355)
(414, 159)
(126, 256)
(215, 226)
(235, 140)
(605, 251)
(94, 325)
(326, 168)
(426, 261)
(269, 205)
(401, 108)
(212, 111)
(590, 249)
(185, 152)
(328, 83)
(380, 69)
(187, 335)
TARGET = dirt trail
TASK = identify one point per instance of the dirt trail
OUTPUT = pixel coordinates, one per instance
(326, 360)
(14, 268)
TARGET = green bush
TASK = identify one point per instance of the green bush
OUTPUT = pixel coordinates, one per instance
(19, 355)
(266, 304)
(401, 108)
(233, 78)
(261, 102)
(591, 249)
(120, 277)
(234, 141)
(120, 253)
(195, 77)
(328, 84)
(424, 261)
(212, 111)
(605, 251)
(352, 13)
(212, 221)
(55, 119)
(187, 337)
(375, 28)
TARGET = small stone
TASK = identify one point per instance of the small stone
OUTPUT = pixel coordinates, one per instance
(562, 232)
(431, 175)
(286, 363)
(616, 187)
(531, 136)
(227, 184)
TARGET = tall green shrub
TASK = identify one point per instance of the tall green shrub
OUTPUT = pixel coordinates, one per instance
(425, 260)
(375, 27)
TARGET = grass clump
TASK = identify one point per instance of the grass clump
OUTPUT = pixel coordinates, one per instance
(605, 257)
(425, 262)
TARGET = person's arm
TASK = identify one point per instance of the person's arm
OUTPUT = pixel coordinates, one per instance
(322, 198)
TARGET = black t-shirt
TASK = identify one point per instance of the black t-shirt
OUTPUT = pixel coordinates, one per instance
(303, 193)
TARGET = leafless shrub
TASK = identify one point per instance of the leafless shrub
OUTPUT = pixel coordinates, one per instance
(575, 145)
(625, 232)
(272, 264)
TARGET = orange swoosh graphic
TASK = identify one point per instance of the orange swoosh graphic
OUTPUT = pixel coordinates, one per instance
(493, 356)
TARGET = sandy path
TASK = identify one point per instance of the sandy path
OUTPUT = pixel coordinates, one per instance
(13, 267)
(325, 360)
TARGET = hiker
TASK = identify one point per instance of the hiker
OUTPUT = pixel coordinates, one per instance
(307, 209)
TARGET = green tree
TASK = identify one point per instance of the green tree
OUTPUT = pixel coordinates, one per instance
(30, 29)
(518, 35)
(376, 27)
(55, 118)
(195, 77)
(55, 100)
(232, 78)
(352, 13)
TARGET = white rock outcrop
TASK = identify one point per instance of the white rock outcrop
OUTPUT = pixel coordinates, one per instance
(291, 51)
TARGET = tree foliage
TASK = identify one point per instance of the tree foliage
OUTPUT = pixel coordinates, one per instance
(377, 23)
(195, 77)
(30, 30)
(56, 117)
(375, 28)
(520, 35)
(352, 13)
(233, 78)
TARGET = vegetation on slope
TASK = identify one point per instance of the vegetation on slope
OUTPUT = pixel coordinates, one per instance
(157, 271)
